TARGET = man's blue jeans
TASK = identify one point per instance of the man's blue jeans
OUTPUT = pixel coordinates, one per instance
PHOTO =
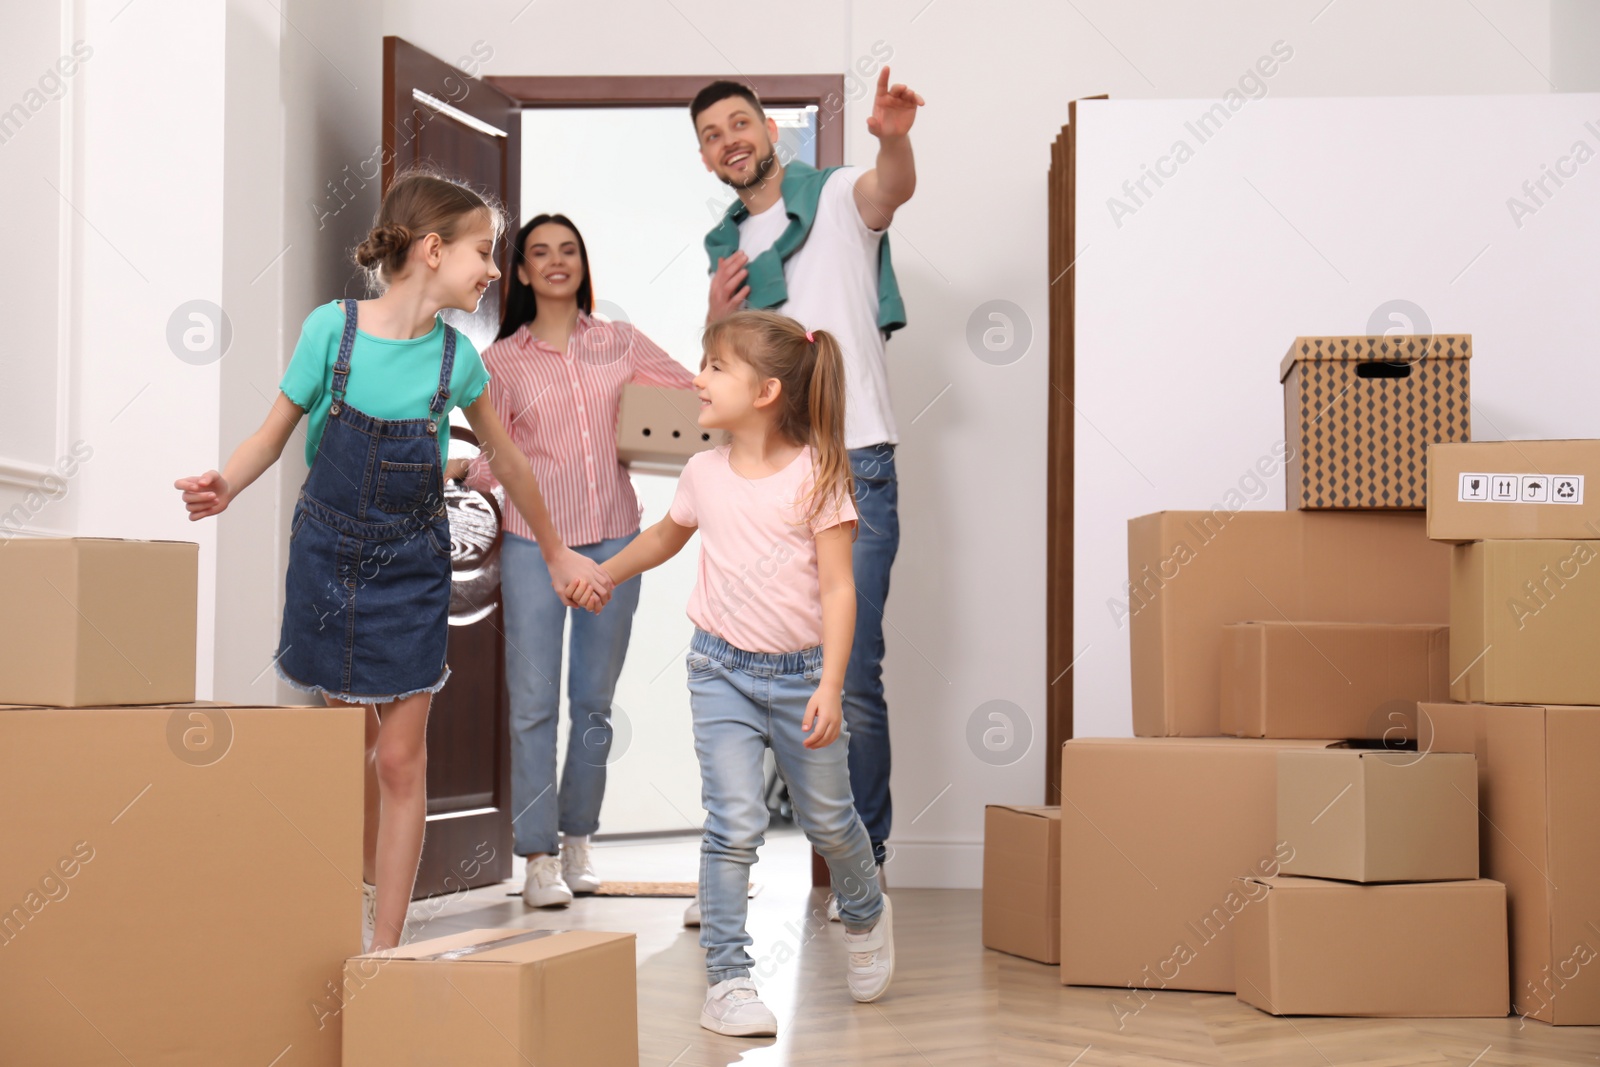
(743, 703)
(535, 618)
(866, 713)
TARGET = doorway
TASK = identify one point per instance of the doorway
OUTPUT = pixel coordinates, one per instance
(631, 180)
(473, 127)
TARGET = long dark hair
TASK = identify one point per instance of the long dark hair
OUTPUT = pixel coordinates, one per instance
(521, 305)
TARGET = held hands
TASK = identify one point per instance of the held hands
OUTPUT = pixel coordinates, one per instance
(580, 594)
(580, 582)
(893, 110)
(823, 718)
(206, 495)
(728, 290)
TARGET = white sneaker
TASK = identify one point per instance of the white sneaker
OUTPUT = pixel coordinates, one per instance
(577, 865)
(734, 1008)
(544, 886)
(871, 958)
(369, 915)
(691, 914)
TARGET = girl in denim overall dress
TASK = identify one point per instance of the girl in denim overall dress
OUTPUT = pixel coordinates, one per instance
(367, 594)
(774, 614)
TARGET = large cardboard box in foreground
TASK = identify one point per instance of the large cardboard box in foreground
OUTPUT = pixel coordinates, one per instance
(1505, 490)
(1192, 571)
(90, 620)
(1331, 679)
(496, 998)
(1022, 881)
(1540, 797)
(1524, 617)
(1362, 413)
(178, 886)
(1370, 815)
(1432, 950)
(1154, 831)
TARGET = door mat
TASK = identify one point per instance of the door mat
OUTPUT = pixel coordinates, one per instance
(649, 889)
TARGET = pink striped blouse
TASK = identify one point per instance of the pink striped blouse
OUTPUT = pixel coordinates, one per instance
(561, 411)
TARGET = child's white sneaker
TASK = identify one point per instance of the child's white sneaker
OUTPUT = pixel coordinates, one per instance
(734, 1008)
(871, 958)
(369, 915)
(577, 865)
(543, 886)
(833, 910)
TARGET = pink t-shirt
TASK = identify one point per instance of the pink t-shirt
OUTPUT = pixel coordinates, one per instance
(758, 587)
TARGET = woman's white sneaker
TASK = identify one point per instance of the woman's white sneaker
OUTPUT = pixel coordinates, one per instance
(871, 958)
(734, 1008)
(577, 865)
(691, 914)
(543, 886)
(369, 915)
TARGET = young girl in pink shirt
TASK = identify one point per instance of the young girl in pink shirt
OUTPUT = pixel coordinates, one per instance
(774, 614)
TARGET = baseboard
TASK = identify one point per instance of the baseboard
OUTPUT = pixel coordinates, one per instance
(935, 864)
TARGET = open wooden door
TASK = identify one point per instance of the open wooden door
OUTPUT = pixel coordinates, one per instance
(435, 114)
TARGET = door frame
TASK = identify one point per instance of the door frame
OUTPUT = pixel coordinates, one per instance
(826, 91)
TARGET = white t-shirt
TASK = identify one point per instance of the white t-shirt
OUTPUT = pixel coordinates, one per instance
(833, 285)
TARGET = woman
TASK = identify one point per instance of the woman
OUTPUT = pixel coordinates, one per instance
(556, 378)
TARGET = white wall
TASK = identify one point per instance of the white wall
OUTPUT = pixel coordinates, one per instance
(152, 157)
(1292, 219)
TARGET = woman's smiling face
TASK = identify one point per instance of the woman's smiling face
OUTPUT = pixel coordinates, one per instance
(551, 263)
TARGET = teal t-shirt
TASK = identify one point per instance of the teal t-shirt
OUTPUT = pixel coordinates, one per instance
(388, 379)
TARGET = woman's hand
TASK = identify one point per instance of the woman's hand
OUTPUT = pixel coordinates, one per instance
(569, 567)
(455, 470)
(823, 718)
(583, 595)
(205, 495)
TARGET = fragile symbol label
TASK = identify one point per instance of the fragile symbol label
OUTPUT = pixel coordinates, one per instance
(1489, 487)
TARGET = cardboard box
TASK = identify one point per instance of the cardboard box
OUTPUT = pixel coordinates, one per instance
(97, 621)
(1509, 490)
(1434, 950)
(658, 429)
(178, 886)
(1022, 881)
(1370, 815)
(1539, 795)
(1524, 616)
(496, 998)
(1360, 415)
(1154, 831)
(1192, 571)
(1331, 679)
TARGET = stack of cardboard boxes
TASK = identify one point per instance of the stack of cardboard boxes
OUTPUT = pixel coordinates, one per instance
(180, 881)
(1524, 621)
(1286, 824)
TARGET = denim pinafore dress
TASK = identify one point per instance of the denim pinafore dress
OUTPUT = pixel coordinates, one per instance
(367, 595)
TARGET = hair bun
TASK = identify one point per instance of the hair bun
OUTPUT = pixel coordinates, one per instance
(386, 242)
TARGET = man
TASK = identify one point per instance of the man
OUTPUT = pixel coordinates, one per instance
(813, 245)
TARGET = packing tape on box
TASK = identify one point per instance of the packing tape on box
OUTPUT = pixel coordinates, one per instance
(484, 946)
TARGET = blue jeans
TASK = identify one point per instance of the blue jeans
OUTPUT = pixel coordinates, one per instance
(742, 704)
(865, 711)
(535, 617)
